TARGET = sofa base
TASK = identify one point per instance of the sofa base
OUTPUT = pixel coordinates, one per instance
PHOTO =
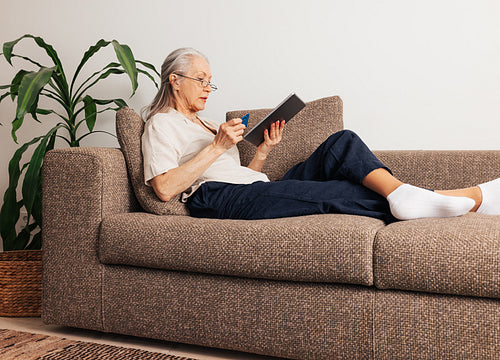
(295, 320)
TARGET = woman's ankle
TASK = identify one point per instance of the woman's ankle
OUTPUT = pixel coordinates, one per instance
(381, 181)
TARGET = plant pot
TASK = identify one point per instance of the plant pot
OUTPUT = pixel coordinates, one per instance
(20, 283)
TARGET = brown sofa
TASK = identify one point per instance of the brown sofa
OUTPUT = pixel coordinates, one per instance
(311, 287)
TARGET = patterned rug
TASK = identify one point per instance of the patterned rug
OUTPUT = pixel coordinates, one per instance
(25, 346)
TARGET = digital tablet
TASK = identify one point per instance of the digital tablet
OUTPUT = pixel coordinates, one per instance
(286, 110)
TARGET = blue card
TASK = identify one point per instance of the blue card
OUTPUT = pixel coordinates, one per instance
(244, 119)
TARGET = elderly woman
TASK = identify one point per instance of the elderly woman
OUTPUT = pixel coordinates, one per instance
(185, 153)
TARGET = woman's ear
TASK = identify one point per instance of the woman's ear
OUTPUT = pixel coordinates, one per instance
(173, 79)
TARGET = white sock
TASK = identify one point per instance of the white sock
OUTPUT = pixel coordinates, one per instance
(410, 202)
(491, 198)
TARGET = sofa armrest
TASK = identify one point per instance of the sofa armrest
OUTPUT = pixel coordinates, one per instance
(81, 186)
(442, 169)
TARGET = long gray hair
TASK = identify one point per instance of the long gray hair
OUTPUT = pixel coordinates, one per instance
(178, 61)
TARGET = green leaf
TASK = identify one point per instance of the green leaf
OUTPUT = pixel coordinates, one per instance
(33, 173)
(8, 230)
(59, 76)
(149, 76)
(37, 205)
(33, 111)
(29, 90)
(126, 58)
(28, 59)
(4, 96)
(14, 88)
(103, 76)
(90, 112)
(9, 213)
(8, 47)
(51, 52)
(95, 132)
(36, 243)
(76, 96)
(149, 66)
(88, 54)
(44, 111)
(119, 102)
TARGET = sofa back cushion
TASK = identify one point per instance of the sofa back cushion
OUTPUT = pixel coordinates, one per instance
(301, 136)
(129, 129)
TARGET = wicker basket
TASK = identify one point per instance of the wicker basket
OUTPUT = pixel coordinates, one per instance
(20, 283)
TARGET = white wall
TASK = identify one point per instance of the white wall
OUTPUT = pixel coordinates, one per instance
(413, 74)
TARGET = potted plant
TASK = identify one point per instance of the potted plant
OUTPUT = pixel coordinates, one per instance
(77, 112)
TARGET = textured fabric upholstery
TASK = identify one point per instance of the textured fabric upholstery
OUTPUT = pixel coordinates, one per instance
(441, 170)
(416, 325)
(298, 320)
(274, 318)
(129, 129)
(449, 256)
(301, 136)
(320, 248)
(81, 186)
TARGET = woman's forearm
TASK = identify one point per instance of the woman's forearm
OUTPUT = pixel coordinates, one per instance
(258, 161)
(175, 181)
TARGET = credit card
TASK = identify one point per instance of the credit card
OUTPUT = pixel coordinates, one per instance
(244, 119)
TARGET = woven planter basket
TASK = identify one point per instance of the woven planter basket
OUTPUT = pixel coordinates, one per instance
(20, 283)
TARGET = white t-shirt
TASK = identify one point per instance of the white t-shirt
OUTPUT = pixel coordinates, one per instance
(170, 140)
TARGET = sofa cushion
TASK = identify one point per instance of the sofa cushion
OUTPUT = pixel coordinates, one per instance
(318, 248)
(129, 129)
(301, 136)
(450, 256)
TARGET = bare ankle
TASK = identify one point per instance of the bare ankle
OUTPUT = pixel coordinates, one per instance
(381, 181)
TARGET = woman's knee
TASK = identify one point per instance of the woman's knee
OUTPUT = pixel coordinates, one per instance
(342, 136)
(346, 133)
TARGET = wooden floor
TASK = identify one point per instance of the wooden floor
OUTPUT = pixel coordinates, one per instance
(35, 325)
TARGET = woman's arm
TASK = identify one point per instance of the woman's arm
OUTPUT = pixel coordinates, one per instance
(271, 139)
(175, 181)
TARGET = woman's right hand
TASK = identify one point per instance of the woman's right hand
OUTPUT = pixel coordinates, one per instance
(230, 133)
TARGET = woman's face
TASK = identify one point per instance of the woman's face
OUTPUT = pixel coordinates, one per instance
(192, 96)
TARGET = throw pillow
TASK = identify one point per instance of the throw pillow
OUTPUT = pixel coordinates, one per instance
(129, 129)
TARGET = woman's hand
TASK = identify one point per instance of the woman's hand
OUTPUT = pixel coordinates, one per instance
(230, 133)
(272, 138)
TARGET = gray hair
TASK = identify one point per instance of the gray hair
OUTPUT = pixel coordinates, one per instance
(178, 61)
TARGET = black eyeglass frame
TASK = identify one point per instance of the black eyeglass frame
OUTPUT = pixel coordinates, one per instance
(203, 83)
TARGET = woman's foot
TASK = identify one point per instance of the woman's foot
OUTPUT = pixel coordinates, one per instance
(490, 205)
(409, 202)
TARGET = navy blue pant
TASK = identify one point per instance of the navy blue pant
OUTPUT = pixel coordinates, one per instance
(328, 182)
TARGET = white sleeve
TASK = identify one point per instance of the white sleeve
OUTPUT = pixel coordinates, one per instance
(159, 151)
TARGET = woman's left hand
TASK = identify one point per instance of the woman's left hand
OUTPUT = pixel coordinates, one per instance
(272, 137)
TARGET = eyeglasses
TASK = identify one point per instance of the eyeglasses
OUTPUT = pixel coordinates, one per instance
(203, 83)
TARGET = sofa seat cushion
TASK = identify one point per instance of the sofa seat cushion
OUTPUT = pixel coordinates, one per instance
(316, 248)
(451, 256)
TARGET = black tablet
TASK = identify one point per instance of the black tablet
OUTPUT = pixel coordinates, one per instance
(286, 110)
